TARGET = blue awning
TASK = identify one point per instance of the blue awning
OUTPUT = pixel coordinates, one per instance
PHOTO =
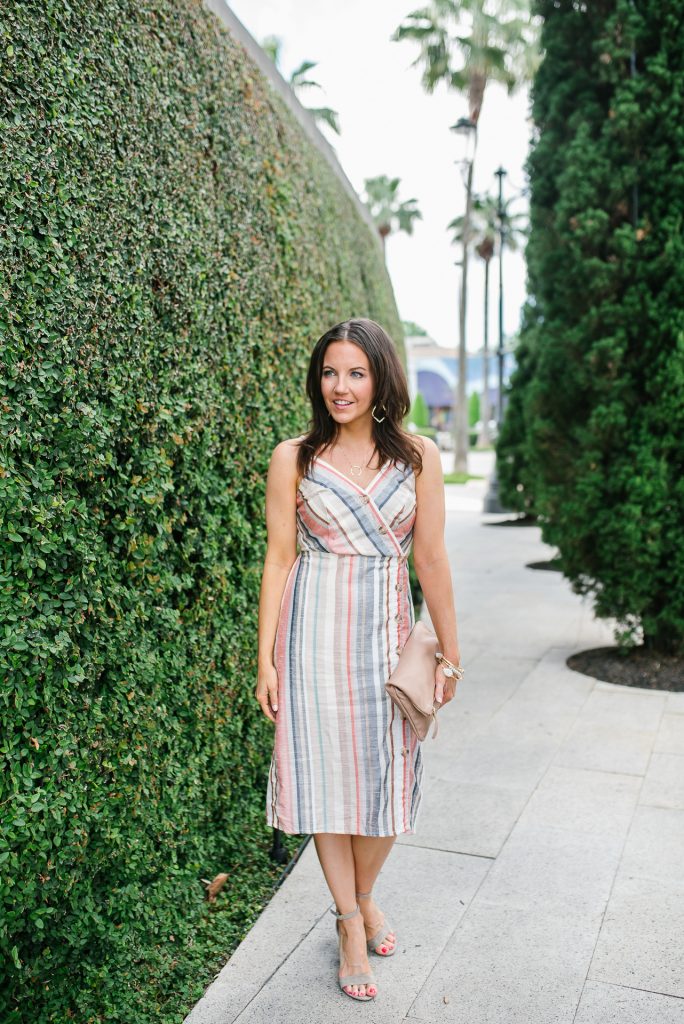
(434, 390)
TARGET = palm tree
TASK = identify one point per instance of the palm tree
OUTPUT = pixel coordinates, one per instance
(298, 82)
(466, 44)
(485, 227)
(389, 214)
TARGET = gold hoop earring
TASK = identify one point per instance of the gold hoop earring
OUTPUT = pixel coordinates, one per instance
(375, 417)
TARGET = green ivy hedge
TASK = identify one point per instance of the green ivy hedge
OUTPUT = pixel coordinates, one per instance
(174, 246)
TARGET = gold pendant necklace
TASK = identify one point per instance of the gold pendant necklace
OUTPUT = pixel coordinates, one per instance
(354, 468)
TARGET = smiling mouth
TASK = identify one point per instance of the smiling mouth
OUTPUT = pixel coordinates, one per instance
(340, 401)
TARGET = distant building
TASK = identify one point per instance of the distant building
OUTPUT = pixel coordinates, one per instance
(433, 370)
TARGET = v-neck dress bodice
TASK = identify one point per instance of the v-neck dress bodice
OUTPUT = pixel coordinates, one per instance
(344, 760)
(336, 514)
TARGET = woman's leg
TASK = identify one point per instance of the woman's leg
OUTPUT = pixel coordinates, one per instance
(337, 862)
(370, 853)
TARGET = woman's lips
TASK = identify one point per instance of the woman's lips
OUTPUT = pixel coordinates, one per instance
(341, 403)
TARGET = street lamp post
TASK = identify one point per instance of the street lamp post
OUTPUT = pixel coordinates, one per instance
(468, 129)
(491, 501)
(501, 173)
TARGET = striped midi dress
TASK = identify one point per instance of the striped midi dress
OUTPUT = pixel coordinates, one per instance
(343, 758)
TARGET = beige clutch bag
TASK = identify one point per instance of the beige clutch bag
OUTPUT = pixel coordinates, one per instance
(412, 684)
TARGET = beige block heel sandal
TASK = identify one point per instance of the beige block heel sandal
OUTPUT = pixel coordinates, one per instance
(361, 978)
(380, 938)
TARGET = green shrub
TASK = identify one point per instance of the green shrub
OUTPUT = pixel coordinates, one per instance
(175, 247)
(473, 409)
(419, 413)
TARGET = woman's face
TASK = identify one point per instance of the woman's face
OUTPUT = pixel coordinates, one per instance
(347, 384)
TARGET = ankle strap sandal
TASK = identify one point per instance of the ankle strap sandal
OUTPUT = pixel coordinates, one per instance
(360, 978)
(376, 943)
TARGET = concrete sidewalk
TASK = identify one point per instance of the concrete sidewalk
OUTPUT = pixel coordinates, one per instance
(545, 884)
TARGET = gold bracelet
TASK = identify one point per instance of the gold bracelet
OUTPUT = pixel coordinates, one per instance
(449, 668)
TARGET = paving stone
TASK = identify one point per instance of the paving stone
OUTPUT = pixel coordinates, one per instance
(467, 817)
(640, 944)
(616, 731)
(619, 706)
(601, 803)
(614, 1004)
(601, 747)
(514, 761)
(655, 846)
(555, 868)
(511, 963)
(675, 703)
(664, 782)
(670, 738)
(567, 844)
(487, 686)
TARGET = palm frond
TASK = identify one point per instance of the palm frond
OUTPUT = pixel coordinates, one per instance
(459, 39)
(327, 116)
(384, 206)
(305, 84)
(297, 76)
(485, 224)
(406, 214)
(272, 45)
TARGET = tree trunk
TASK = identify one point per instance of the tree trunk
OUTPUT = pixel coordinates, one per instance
(460, 408)
(484, 440)
(664, 640)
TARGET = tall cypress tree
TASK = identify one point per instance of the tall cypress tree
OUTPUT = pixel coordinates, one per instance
(565, 102)
(602, 412)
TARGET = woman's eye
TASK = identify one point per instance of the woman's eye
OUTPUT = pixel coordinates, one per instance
(354, 373)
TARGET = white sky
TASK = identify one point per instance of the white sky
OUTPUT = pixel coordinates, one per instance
(390, 125)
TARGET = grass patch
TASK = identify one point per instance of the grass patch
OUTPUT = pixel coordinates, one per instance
(460, 478)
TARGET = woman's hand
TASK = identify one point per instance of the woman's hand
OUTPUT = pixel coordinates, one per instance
(267, 690)
(445, 686)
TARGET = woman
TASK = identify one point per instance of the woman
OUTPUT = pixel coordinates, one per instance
(355, 492)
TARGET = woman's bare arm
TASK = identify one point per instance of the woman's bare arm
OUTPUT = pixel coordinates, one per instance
(281, 552)
(431, 560)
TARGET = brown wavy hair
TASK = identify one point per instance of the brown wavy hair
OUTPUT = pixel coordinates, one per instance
(391, 396)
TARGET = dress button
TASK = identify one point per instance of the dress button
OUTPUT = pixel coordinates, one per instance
(399, 650)
(399, 618)
(365, 499)
(382, 529)
(399, 586)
